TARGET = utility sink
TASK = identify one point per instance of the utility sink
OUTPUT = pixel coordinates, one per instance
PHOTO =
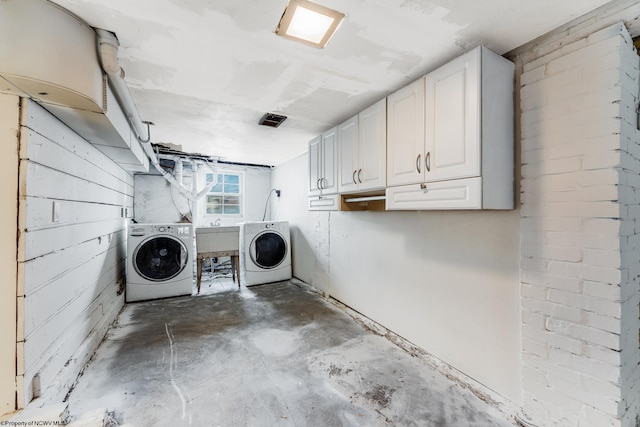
(218, 239)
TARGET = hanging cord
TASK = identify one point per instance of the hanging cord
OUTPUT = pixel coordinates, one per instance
(266, 204)
(183, 215)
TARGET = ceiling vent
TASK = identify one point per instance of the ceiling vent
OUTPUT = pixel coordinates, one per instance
(272, 120)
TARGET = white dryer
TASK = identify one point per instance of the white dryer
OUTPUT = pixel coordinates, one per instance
(265, 252)
(159, 261)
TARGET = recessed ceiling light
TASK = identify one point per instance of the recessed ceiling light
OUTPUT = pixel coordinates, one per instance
(309, 23)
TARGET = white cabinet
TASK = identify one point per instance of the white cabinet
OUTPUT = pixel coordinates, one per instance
(324, 203)
(468, 138)
(348, 155)
(442, 195)
(372, 147)
(315, 161)
(405, 134)
(362, 142)
(322, 164)
(453, 115)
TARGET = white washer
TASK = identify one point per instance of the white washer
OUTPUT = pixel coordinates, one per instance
(265, 252)
(159, 261)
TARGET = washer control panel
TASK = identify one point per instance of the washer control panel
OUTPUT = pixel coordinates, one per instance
(174, 229)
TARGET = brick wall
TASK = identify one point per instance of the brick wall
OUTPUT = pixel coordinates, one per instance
(629, 199)
(580, 251)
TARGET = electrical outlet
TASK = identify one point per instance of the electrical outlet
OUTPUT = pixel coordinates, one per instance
(55, 211)
(36, 386)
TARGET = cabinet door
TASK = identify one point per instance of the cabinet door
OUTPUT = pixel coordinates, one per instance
(315, 158)
(328, 181)
(405, 134)
(372, 147)
(348, 155)
(453, 119)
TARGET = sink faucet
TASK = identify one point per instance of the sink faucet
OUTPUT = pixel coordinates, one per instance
(217, 223)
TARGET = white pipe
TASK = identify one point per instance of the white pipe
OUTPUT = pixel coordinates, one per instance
(173, 182)
(151, 154)
(108, 51)
(177, 171)
(210, 185)
(108, 54)
(190, 195)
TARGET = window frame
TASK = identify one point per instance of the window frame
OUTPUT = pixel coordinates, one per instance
(240, 194)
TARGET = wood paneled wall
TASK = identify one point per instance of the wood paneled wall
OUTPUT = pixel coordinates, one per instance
(9, 124)
(71, 252)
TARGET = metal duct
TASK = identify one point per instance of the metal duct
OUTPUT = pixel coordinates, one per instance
(57, 59)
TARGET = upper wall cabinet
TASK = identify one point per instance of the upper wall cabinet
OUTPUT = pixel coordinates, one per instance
(322, 164)
(453, 117)
(405, 134)
(362, 142)
(469, 139)
(348, 155)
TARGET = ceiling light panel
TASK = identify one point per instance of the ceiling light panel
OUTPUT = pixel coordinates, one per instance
(309, 23)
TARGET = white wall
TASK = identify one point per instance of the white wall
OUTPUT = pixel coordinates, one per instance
(580, 245)
(446, 281)
(156, 202)
(9, 126)
(309, 230)
(70, 268)
(629, 198)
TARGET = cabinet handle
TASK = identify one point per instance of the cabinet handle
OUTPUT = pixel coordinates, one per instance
(318, 184)
(427, 161)
(418, 162)
(323, 182)
(359, 180)
(353, 176)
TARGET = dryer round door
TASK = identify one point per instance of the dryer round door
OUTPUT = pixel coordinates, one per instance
(160, 258)
(268, 250)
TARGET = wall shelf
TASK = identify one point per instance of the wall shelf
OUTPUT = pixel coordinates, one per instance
(362, 202)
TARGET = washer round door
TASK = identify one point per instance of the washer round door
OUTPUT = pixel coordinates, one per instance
(160, 258)
(268, 250)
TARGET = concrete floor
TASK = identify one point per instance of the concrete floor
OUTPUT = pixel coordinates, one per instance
(270, 355)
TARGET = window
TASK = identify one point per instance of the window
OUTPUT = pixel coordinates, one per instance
(224, 198)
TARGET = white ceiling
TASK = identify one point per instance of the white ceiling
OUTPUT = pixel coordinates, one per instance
(205, 71)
